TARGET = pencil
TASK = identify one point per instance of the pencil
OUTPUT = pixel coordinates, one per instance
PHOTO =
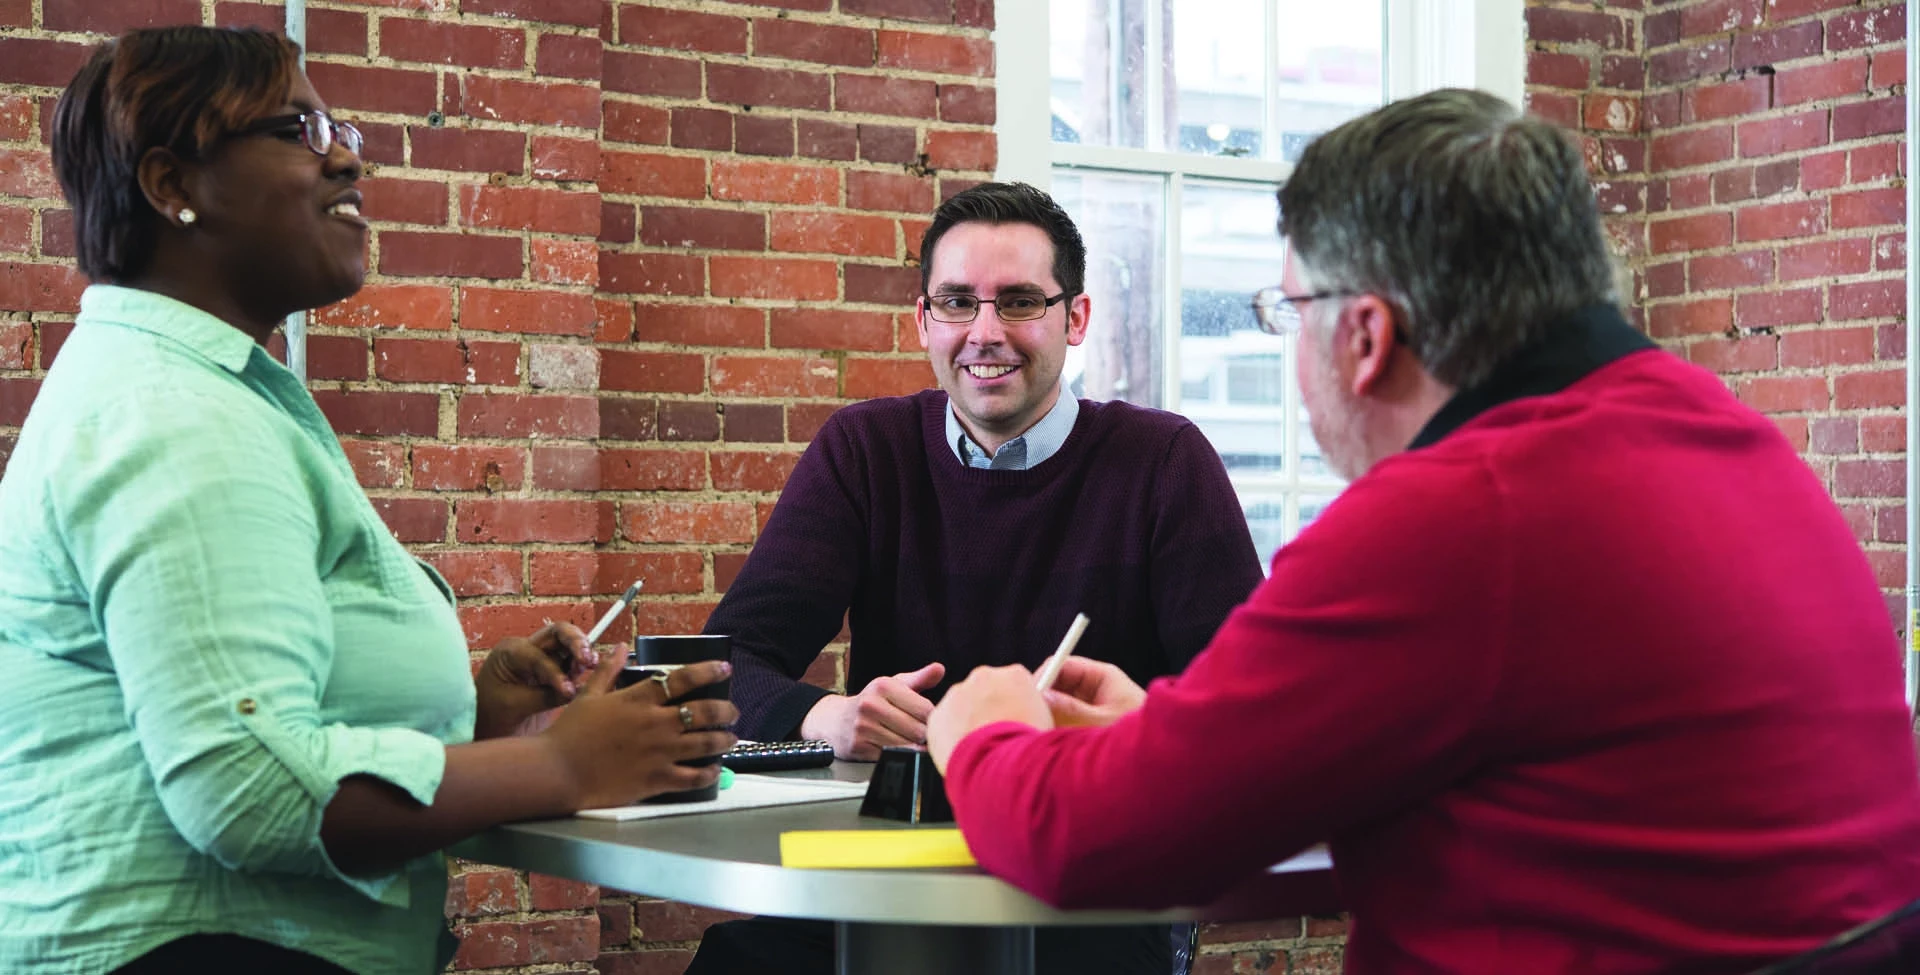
(1051, 669)
(613, 612)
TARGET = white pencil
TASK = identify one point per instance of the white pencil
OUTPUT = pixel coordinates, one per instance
(1051, 669)
(613, 612)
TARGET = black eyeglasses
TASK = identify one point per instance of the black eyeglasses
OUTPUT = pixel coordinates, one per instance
(317, 129)
(1012, 306)
(1278, 313)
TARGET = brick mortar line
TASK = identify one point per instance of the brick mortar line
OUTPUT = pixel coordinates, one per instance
(1734, 249)
(531, 914)
(1772, 114)
(1787, 243)
(415, 15)
(752, 12)
(826, 115)
(530, 72)
(983, 83)
(1822, 17)
(1794, 328)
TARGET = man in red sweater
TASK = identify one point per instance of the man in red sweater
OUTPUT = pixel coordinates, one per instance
(1584, 672)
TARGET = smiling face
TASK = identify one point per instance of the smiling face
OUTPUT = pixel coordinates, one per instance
(283, 224)
(1002, 377)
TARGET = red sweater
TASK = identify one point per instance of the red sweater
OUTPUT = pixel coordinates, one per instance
(1598, 681)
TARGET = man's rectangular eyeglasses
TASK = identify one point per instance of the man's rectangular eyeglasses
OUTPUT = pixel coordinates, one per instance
(1278, 313)
(1013, 306)
(317, 129)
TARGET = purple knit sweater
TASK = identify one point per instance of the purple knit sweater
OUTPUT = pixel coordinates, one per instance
(1132, 522)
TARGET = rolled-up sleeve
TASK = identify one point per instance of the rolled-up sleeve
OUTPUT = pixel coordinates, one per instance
(197, 533)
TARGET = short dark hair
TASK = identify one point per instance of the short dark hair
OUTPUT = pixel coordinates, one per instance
(1476, 221)
(181, 88)
(1011, 203)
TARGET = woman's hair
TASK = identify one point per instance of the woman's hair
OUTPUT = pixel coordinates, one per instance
(178, 88)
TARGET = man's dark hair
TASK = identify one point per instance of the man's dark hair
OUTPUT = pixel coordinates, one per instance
(1011, 203)
(1477, 222)
(179, 88)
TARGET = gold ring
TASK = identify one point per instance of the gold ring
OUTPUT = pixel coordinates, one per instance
(686, 718)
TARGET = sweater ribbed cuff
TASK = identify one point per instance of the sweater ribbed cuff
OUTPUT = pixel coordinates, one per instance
(781, 721)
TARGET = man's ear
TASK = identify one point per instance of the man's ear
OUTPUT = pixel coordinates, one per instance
(1369, 340)
(163, 181)
(920, 321)
(1079, 310)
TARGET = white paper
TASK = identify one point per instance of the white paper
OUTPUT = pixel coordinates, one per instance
(748, 792)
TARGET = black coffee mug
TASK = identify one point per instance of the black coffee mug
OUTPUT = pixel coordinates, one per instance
(651, 654)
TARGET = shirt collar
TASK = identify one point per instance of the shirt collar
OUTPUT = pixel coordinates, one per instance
(226, 346)
(1570, 350)
(1041, 441)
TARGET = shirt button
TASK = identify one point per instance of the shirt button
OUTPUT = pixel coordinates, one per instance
(246, 706)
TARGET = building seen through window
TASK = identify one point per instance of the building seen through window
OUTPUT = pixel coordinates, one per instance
(1182, 116)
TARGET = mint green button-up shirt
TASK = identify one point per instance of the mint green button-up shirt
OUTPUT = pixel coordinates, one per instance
(204, 627)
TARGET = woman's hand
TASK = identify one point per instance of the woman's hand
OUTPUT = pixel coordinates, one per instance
(620, 747)
(523, 677)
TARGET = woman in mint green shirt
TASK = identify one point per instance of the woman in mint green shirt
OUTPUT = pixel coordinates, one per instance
(238, 719)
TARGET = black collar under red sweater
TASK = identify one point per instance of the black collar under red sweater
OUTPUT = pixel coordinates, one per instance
(1570, 350)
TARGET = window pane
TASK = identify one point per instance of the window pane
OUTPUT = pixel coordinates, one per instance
(1256, 380)
(1228, 250)
(1217, 60)
(1196, 390)
(1267, 520)
(1330, 68)
(1312, 463)
(1124, 222)
(1193, 75)
(1311, 506)
(1099, 66)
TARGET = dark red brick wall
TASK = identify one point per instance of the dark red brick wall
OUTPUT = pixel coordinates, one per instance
(1776, 229)
(1762, 148)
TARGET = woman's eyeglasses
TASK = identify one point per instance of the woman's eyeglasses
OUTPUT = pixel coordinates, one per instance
(317, 129)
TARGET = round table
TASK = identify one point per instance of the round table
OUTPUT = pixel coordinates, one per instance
(910, 921)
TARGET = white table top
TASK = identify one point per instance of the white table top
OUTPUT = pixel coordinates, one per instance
(731, 861)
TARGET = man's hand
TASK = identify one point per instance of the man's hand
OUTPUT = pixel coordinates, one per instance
(989, 694)
(888, 711)
(1092, 692)
(523, 677)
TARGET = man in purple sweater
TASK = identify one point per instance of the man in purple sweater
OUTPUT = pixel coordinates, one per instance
(966, 526)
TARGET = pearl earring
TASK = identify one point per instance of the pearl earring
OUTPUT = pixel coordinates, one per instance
(187, 216)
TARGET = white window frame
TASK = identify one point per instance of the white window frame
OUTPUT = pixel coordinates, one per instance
(1429, 44)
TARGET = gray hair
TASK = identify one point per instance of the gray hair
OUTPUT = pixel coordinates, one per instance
(1476, 222)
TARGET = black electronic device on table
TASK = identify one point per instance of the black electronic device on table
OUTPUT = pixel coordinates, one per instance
(777, 756)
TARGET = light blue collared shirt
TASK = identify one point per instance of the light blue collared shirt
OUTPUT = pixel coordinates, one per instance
(205, 627)
(1030, 449)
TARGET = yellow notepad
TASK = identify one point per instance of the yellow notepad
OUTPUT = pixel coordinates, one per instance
(874, 848)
